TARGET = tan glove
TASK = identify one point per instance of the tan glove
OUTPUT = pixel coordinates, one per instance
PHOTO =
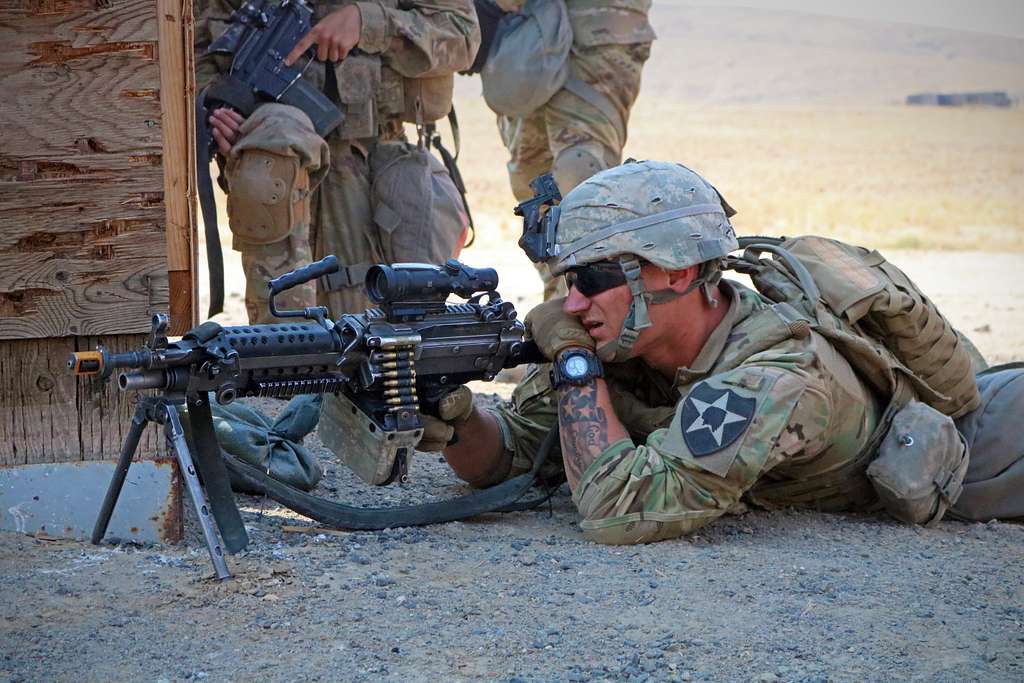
(453, 410)
(553, 329)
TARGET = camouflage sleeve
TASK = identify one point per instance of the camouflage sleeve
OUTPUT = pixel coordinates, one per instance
(527, 419)
(211, 23)
(433, 38)
(728, 431)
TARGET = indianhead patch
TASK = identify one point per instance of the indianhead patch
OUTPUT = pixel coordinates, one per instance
(714, 418)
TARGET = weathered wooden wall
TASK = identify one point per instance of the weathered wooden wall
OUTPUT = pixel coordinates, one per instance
(96, 210)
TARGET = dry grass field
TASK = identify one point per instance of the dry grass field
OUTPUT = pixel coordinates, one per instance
(885, 176)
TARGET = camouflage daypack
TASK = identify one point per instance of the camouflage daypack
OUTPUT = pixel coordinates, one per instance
(899, 343)
(873, 313)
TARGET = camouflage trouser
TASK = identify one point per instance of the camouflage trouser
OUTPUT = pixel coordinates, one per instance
(570, 137)
(370, 208)
(272, 172)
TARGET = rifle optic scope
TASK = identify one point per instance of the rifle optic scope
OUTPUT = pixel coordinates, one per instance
(424, 282)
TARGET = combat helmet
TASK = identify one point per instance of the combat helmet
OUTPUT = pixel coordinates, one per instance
(654, 211)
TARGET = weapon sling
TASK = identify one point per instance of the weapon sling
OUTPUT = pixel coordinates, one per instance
(504, 497)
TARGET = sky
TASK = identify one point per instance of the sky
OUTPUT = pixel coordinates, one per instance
(1000, 17)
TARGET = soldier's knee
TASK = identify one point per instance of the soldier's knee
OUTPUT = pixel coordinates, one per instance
(575, 164)
(271, 173)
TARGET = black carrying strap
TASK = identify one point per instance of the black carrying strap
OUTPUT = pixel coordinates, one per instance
(214, 475)
(505, 497)
(208, 205)
(450, 163)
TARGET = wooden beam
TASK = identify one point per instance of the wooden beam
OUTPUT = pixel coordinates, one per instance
(178, 113)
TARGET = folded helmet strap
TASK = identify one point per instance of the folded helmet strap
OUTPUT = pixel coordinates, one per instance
(638, 318)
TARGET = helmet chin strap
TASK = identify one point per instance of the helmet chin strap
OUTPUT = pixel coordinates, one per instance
(621, 348)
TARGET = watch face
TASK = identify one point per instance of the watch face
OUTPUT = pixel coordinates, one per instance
(576, 367)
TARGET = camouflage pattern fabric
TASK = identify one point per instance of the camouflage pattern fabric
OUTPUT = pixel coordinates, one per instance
(757, 407)
(426, 41)
(272, 169)
(569, 136)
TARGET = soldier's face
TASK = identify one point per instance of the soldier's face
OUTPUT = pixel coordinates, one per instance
(601, 314)
(604, 313)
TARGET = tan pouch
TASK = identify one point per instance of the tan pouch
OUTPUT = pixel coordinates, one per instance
(921, 464)
(427, 99)
(271, 172)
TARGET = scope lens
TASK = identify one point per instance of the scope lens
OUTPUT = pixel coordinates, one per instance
(379, 282)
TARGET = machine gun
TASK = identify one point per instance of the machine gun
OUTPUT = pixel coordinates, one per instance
(260, 36)
(387, 366)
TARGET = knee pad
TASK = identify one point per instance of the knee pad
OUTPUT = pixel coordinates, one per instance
(269, 174)
(269, 196)
(575, 164)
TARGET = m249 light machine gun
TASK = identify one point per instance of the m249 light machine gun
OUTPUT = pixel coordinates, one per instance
(386, 366)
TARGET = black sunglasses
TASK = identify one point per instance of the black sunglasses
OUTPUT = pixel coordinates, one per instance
(595, 278)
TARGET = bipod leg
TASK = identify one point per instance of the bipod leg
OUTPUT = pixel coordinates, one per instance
(210, 463)
(131, 443)
(176, 437)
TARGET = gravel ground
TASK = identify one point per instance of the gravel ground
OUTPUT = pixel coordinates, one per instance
(765, 596)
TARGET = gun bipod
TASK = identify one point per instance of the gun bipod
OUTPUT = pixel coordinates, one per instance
(164, 411)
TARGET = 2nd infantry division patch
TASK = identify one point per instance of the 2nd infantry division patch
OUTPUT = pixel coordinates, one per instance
(712, 419)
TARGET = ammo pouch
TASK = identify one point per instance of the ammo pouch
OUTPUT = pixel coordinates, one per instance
(921, 464)
(416, 206)
(529, 59)
(271, 173)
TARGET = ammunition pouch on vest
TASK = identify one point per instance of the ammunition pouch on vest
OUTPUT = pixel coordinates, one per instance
(891, 334)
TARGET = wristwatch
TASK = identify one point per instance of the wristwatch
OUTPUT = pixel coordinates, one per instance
(575, 366)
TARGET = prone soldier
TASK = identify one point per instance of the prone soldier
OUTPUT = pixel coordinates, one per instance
(681, 396)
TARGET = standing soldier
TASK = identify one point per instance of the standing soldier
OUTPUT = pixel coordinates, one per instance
(363, 193)
(582, 128)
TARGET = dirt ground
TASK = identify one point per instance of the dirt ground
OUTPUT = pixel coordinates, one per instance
(767, 596)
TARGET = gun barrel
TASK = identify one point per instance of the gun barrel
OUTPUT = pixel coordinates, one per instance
(139, 381)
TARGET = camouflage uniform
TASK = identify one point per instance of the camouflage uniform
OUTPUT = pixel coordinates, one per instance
(403, 55)
(569, 136)
(773, 410)
(811, 415)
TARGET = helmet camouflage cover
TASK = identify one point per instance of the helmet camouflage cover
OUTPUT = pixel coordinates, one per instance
(652, 211)
(661, 212)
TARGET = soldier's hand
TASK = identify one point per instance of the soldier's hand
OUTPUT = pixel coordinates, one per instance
(554, 330)
(334, 36)
(452, 412)
(224, 125)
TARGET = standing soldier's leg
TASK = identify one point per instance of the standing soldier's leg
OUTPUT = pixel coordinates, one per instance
(344, 225)
(271, 173)
(586, 133)
(529, 156)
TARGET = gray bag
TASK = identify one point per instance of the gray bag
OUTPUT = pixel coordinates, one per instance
(416, 205)
(921, 465)
(529, 59)
(995, 433)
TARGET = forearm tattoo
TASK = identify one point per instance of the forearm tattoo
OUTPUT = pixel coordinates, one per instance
(584, 428)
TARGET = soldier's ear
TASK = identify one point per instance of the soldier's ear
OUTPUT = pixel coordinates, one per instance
(679, 280)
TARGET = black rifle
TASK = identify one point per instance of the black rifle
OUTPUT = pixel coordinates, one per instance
(392, 363)
(260, 35)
